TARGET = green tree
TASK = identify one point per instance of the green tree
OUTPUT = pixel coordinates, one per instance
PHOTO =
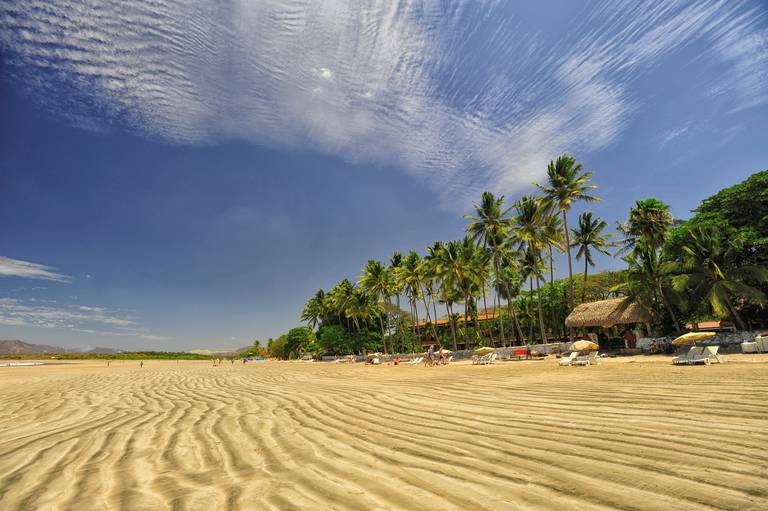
(315, 309)
(649, 223)
(299, 341)
(377, 281)
(588, 237)
(709, 271)
(334, 340)
(567, 184)
(395, 262)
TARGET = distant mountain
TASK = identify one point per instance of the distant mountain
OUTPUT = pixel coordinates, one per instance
(15, 347)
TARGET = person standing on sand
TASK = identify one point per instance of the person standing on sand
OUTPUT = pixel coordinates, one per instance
(440, 356)
(141, 364)
(430, 356)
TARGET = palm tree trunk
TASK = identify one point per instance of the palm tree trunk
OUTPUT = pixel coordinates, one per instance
(485, 308)
(449, 309)
(668, 306)
(466, 324)
(734, 313)
(551, 264)
(541, 314)
(584, 285)
(570, 269)
(530, 279)
(500, 319)
(429, 320)
(383, 333)
(399, 325)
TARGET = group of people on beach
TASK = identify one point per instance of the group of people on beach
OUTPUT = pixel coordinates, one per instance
(435, 356)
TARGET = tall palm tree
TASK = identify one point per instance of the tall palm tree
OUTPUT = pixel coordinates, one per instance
(377, 281)
(490, 226)
(566, 184)
(588, 237)
(430, 278)
(708, 271)
(510, 283)
(315, 309)
(528, 227)
(395, 262)
(553, 235)
(409, 275)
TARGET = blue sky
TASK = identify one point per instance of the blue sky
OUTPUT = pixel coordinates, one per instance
(177, 177)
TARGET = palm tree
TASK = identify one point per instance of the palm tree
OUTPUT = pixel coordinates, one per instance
(377, 281)
(566, 184)
(589, 237)
(553, 234)
(338, 298)
(649, 222)
(409, 276)
(708, 270)
(490, 226)
(361, 307)
(647, 282)
(528, 228)
(395, 262)
(315, 309)
(510, 282)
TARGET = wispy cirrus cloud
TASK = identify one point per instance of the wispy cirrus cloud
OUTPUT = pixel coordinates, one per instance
(76, 318)
(29, 270)
(462, 96)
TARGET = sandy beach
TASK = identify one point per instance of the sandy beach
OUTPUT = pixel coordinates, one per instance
(628, 434)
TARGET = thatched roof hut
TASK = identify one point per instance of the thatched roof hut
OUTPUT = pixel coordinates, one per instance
(606, 313)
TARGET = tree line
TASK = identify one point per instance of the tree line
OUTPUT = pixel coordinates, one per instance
(710, 267)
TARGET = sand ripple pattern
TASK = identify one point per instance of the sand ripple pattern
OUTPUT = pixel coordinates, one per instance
(514, 436)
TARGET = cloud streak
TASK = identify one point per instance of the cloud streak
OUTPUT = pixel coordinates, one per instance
(463, 97)
(28, 270)
(77, 318)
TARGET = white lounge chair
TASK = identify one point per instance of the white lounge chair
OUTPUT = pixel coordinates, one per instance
(762, 344)
(485, 359)
(568, 360)
(707, 356)
(693, 352)
(414, 361)
(591, 359)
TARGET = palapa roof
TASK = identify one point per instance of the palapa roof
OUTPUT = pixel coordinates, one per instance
(606, 313)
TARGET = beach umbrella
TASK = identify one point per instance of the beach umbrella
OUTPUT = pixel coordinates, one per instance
(584, 346)
(693, 337)
(484, 350)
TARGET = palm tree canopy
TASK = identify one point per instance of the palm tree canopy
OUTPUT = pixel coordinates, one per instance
(649, 222)
(588, 236)
(490, 221)
(566, 184)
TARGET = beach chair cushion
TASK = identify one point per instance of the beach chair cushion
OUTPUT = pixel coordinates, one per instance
(749, 347)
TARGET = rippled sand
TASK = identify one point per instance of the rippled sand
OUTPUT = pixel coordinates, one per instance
(629, 434)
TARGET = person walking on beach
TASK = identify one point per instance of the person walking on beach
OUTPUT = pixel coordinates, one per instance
(141, 364)
(440, 355)
(430, 356)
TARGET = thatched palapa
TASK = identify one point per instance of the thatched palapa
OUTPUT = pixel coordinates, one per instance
(606, 313)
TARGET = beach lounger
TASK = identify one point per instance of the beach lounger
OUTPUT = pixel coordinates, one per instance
(685, 359)
(484, 359)
(762, 344)
(569, 360)
(591, 359)
(707, 356)
(414, 361)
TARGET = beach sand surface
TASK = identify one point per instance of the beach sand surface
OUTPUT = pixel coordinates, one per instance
(633, 433)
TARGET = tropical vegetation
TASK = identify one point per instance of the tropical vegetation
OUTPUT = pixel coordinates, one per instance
(496, 285)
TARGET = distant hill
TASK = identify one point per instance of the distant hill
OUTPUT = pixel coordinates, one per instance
(16, 347)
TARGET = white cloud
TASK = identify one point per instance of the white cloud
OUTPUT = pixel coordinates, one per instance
(25, 269)
(464, 98)
(77, 318)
